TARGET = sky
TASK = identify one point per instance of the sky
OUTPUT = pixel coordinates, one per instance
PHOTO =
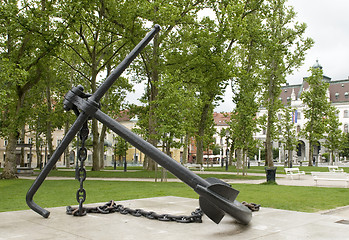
(328, 25)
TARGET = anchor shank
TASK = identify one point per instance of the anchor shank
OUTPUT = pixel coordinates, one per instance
(158, 156)
(123, 65)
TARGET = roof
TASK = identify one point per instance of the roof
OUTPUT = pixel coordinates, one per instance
(339, 90)
(221, 119)
(123, 116)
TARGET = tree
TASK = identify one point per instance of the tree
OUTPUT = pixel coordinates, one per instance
(288, 132)
(317, 108)
(284, 51)
(344, 148)
(247, 88)
(97, 39)
(29, 35)
(333, 139)
(172, 16)
(120, 148)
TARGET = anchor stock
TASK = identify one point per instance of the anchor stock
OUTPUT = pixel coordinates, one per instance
(216, 196)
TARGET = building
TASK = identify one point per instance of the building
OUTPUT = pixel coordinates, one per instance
(221, 124)
(27, 152)
(337, 94)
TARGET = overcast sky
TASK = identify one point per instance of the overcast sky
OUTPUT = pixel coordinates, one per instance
(328, 26)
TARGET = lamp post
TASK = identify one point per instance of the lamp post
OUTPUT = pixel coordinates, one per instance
(125, 162)
(134, 121)
(227, 135)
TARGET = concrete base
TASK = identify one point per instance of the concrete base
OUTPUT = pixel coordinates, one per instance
(266, 224)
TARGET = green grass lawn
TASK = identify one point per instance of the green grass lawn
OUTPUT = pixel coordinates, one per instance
(62, 193)
(144, 174)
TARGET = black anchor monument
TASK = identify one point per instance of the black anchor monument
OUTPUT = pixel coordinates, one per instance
(216, 197)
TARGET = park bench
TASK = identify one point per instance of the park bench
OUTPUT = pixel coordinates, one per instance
(25, 170)
(335, 169)
(330, 176)
(294, 172)
(195, 166)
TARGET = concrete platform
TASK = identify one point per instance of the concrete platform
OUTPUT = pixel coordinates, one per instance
(266, 224)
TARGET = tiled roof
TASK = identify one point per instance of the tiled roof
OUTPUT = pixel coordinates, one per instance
(286, 92)
(339, 90)
(123, 116)
(221, 119)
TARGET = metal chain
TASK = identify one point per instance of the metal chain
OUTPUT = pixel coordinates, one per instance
(111, 207)
(80, 172)
(252, 206)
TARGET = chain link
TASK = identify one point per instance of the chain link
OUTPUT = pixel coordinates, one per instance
(112, 207)
(252, 206)
(80, 172)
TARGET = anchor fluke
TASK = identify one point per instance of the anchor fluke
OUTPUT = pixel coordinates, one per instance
(218, 199)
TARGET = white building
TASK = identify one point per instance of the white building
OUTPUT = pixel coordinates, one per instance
(337, 94)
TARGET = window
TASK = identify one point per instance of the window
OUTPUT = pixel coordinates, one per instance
(5, 143)
(345, 128)
(30, 140)
(298, 128)
(298, 115)
(345, 114)
(337, 95)
(346, 95)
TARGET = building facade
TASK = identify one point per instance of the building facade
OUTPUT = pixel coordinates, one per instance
(27, 153)
(337, 94)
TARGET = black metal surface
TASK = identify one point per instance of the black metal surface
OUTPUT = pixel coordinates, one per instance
(216, 197)
(112, 207)
(87, 109)
(80, 172)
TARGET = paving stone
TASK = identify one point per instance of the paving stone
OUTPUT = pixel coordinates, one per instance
(266, 224)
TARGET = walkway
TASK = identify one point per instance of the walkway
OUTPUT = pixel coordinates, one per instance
(271, 224)
(281, 179)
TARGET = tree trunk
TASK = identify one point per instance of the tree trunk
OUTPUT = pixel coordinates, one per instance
(268, 141)
(66, 151)
(10, 167)
(185, 149)
(244, 162)
(48, 124)
(331, 157)
(290, 157)
(95, 131)
(38, 150)
(95, 151)
(152, 97)
(311, 154)
(101, 146)
(9, 171)
(201, 134)
(22, 148)
(239, 159)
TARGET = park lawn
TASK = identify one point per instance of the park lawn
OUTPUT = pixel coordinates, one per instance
(145, 174)
(54, 193)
